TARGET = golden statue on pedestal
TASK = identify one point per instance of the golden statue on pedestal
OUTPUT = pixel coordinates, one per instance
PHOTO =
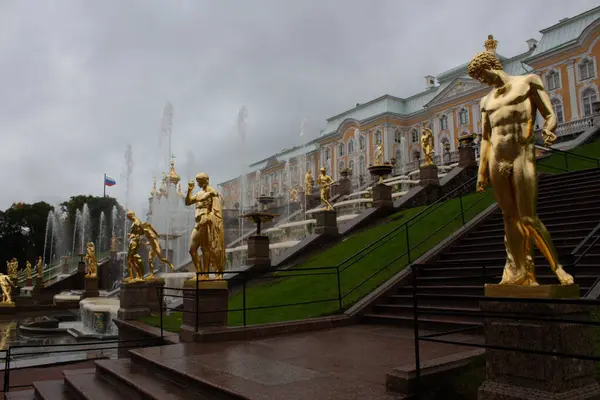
(134, 260)
(508, 161)
(6, 284)
(309, 182)
(91, 261)
(12, 267)
(28, 270)
(379, 154)
(153, 244)
(324, 181)
(427, 145)
(208, 234)
(294, 194)
(40, 269)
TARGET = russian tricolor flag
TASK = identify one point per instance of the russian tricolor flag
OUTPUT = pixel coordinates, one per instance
(108, 181)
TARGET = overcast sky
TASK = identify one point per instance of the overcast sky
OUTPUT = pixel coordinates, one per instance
(82, 79)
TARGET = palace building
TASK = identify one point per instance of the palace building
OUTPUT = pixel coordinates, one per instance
(565, 57)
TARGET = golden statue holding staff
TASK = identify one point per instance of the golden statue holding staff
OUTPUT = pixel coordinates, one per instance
(309, 182)
(428, 145)
(134, 260)
(6, 284)
(379, 154)
(28, 270)
(151, 240)
(508, 161)
(40, 269)
(208, 234)
(91, 261)
(324, 181)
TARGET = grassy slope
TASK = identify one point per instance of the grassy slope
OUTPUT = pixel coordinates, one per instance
(557, 163)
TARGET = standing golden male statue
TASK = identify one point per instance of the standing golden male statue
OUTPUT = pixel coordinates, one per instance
(28, 270)
(6, 284)
(208, 234)
(308, 183)
(508, 161)
(91, 261)
(154, 245)
(134, 260)
(40, 269)
(379, 154)
(428, 145)
(13, 267)
(324, 181)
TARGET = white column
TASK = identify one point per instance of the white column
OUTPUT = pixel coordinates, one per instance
(451, 129)
(572, 90)
(387, 142)
(405, 142)
(368, 147)
(435, 128)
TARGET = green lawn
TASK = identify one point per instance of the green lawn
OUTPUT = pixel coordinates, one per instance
(559, 163)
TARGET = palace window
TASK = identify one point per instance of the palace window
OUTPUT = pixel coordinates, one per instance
(463, 116)
(327, 154)
(341, 149)
(445, 144)
(397, 137)
(351, 165)
(586, 69)
(588, 97)
(378, 136)
(552, 80)
(341, 166)
(443, 122)
(416, 155)
(361, 142)
(558, 110)
(361, 165)
(351, 146)
(398, 157)
(415, 135)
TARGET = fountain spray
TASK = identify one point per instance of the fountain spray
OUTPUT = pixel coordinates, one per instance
(128, 171)
(242, 127)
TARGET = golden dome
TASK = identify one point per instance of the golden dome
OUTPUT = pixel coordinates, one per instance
(154, 192)
(173, 176)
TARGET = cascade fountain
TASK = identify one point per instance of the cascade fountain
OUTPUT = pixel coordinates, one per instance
(86, 226)
(114, 221)
(76, 229)
(102, 232)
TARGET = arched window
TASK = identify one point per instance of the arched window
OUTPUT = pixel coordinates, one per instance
(351, 165)
(415, 135)
(341, 149)
(361, 142)
(552, 80)
(361, 165)
(327, 154)
(558, 110)
(351, 146)
(586, 69)
(397, 137)
(588, 97)
(378, 136)
(341, 165)
(445, 145)
(463, 116)
(416, 155)
(443, 122)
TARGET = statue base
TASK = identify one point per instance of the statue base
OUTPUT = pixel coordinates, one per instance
(38, 285)
(204, 308)
(343, 187)
(382, 196)
(466, 157)
(139, 298)
(429, 175)
(90, 287)
(8, 305)
(513, 375)
(29, 282)
(326, 222)
(258, 251)
(65, 267)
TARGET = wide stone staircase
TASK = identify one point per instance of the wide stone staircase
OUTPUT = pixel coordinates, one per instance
(569, 206)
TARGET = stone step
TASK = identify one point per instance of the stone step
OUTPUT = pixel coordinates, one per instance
(425, 323)
(136, 381)
(572, 184)
(50, 390)
(21, 395)
(584, 280)
(407, 310)
(546, 203)
(472, 240)
(557, 217)
(89, 387)
(564, 229)
(458, 252)
(496, 270)
(553, 179)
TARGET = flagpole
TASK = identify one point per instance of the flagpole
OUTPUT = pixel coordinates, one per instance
(104, 184)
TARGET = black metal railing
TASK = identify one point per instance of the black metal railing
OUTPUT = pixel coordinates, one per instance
(570, 158)
(478, 317)
(14, 352)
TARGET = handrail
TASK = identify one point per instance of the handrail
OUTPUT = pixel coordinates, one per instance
(585, 240)
(552, 149)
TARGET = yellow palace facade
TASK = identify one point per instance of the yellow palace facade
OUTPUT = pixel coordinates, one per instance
(566, 57)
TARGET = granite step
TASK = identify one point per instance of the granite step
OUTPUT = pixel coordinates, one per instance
(21, 395)
(572, 184)
(136, 381)
(591, 172)
(425, 323)
(87, 386)
(51, 390)
(546, 202)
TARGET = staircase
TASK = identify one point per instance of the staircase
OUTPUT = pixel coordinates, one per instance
(569, 207)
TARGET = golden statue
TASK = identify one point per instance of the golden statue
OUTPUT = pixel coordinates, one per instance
(113, 243)
(324, 181)
(508, 161)
(28, 270)
(179, 191)
(208, 234)
(153, 244)
(309, 182)
(40, 269)
(13, 268)
(134, 260)
(294, 194)
(427, 145)
(91, 261)
(6, 284)
(379, 154)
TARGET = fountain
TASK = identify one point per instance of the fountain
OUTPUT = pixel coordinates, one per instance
(96, 319)
(76, 229)
(114, 220)
(86, 226)
(102, 232)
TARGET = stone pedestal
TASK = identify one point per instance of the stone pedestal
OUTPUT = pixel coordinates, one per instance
(153, 293)
(514, 375)
(382, 196)
(29, 282)
(258, 251)
(38, 285)
(429, 175)
(326, 222)
(203, 308)
(343, 187)
(466, 157)
(90, 288)
(134, 300)
(65, 265)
